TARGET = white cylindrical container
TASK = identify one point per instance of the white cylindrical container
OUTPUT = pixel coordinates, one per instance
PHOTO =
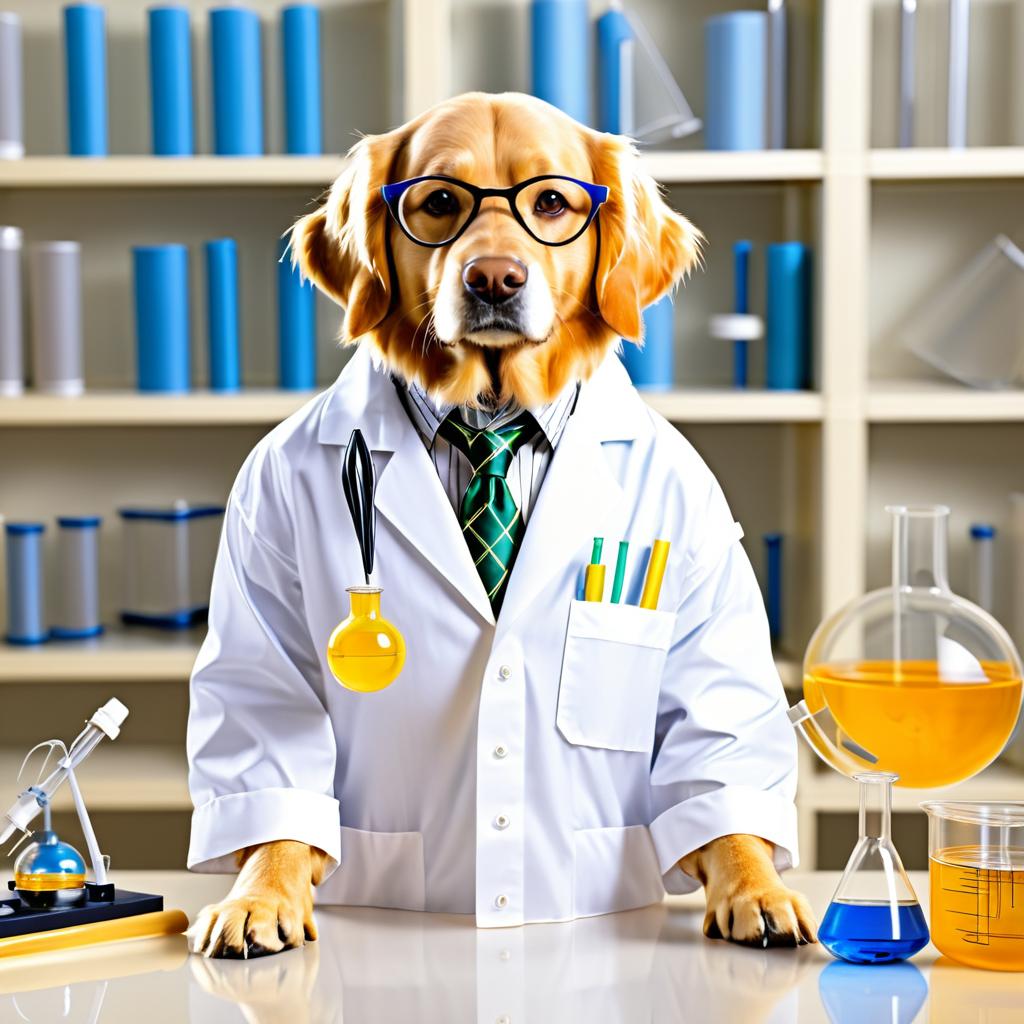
(55, 282)
(77, 612)
(168, 558)
(983, 565)
(12, 138)
(12, 362)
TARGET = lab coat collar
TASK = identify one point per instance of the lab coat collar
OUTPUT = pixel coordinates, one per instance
(409, 492)
(580, 497)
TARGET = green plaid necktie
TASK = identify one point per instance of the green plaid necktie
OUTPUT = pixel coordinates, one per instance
(490, 518)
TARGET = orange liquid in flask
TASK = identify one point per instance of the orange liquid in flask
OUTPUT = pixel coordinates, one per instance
(929, 730)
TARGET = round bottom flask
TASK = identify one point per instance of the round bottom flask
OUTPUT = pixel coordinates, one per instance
(365, 653)
(49, 873)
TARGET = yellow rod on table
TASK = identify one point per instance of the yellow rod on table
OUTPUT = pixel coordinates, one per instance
(161, 922)
(593, 583)
(655, 574)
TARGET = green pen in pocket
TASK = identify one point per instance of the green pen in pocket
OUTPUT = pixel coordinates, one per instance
(620, 571)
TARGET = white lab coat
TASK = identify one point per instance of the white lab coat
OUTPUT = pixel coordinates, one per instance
(552, 765)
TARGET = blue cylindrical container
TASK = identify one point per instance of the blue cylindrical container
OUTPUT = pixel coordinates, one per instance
(652, 367)
(773, 583)
(735, 80)
(616, 44)
(788, 316)
(560, 44)
(161, 317)
(222, 313)
(26, 615)
(300, 39)
(296, 324)
(85, 40)
(741, 286)
(170, 77)
(77, 612)
(237, 82)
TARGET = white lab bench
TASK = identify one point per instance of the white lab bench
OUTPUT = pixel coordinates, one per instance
(396, 967)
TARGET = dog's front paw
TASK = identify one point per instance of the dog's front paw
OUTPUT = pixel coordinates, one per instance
(760, 916)
(250, 926)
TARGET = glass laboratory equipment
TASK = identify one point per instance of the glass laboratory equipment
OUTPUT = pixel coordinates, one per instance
(49, 873)
(365, 652)
(874, 916)
(976, 871)
(911, 679)
(972, 328)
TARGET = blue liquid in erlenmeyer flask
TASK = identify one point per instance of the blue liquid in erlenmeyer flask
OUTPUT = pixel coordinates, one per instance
(862, 932)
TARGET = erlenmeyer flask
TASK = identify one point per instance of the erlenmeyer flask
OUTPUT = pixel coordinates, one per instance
(874, 916)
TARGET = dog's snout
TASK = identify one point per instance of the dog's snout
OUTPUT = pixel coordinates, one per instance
(493, 279)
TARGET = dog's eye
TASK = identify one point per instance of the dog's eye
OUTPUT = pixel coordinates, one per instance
(550, 203)
(441, 203)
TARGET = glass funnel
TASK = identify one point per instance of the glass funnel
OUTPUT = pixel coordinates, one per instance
(911, 679)
(874, 916)
(365, 652)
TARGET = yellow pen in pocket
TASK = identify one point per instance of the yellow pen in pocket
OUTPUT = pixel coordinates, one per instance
(593, 582)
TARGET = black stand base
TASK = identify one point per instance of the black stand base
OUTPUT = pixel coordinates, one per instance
(20, 920)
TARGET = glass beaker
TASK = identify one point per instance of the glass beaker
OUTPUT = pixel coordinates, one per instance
(911, 679)
(874, 916)
(976, 869)
(366, 652)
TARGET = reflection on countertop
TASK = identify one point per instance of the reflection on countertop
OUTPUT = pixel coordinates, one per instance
(379, 967)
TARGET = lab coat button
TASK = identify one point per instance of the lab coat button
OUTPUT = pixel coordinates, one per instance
(501, 901)
(500, 751)
(504, 672)
(501, 822)
(504, 1019)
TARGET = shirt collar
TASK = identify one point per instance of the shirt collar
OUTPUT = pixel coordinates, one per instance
(428, 414)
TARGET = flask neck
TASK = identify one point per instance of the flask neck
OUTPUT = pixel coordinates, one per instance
(365, 601)
(919, 547)
(875, 815)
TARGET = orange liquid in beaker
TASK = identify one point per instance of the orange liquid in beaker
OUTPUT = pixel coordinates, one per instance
(977, 911)
(930, 731)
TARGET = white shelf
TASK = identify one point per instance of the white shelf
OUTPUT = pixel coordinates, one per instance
(117, 777)
(713, 166)
(132, 408)
(118, 656)
(931, 402)
(320, 171)
(824, 790)
(946, 164)
(269, 407)
(168, 172)
(698, 405)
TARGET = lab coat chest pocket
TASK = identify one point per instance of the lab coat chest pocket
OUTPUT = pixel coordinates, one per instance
(611, 675)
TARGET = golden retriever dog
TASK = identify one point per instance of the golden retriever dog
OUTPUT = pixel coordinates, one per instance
(486, 315)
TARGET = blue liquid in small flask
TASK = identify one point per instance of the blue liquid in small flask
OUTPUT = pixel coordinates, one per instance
(874, 916)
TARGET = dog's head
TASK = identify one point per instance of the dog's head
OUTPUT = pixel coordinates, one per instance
(489, 311)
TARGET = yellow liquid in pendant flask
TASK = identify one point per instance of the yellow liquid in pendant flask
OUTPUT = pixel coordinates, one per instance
(930, 731)
(977, 911)
(365, 653)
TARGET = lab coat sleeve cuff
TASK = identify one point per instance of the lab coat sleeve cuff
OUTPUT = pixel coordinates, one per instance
(728, 810)
(229, 823)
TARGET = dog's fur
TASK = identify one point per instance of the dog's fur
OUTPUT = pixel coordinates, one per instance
(408, 303)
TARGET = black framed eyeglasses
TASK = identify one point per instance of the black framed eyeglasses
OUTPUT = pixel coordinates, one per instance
(434, 210)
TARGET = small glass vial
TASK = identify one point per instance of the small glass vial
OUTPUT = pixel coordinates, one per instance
(366, 652)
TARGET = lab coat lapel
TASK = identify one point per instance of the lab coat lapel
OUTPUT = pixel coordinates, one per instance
(580, 498)
(409, 493)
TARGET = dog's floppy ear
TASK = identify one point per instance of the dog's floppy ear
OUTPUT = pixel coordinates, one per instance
(342, 246)
(646, 247)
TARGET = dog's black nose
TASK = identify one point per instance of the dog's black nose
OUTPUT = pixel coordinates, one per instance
(493, 279)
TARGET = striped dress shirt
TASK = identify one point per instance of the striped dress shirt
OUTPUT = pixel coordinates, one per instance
(531, 462)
